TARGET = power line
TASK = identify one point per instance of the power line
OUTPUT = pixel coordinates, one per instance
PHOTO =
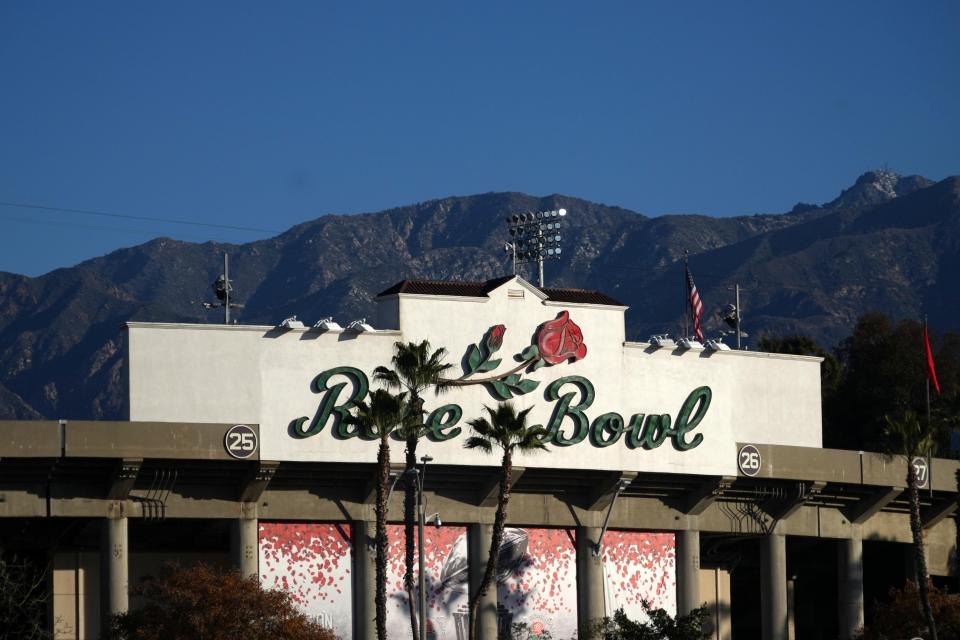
(79, 225)
(106, 214)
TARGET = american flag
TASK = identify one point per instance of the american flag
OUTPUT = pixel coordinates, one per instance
(696, 305)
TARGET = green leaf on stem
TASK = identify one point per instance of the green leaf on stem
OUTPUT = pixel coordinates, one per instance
(500, 390)
(489, 365)
(474, 358)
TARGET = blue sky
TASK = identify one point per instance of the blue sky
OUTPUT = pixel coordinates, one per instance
(264, 115)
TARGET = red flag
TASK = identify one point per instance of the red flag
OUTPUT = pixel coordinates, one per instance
(931, 370)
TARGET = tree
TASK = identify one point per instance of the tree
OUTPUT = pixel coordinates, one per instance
(661, 626)
(507, 430)
(204, 603)
(878, 371)
(23, 600)
(415, 369)
(910, 438)
(379, 418)
(901, 618)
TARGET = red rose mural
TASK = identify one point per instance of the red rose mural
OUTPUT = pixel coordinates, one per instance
(495, 337)
(560, 340)
(556, 341)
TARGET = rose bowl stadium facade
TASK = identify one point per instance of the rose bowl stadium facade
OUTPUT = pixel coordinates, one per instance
(676, 474)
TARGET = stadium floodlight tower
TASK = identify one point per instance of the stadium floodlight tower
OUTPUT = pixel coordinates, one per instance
(535, 237)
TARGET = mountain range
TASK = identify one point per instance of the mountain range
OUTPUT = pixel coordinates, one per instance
(888, 243)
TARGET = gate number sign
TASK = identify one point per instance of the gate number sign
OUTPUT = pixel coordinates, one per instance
(241, 441)
(749, 461)
(922, 471)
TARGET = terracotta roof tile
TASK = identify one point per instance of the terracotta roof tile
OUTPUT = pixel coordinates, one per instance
(581, 296)
(481, 289)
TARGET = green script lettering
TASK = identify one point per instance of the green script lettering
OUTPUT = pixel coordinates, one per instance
(696, 403)
(566, 408)
(606, 430)
(644, 431)
(655, 430)
(634, 430)
(441, 419)
(328, 404)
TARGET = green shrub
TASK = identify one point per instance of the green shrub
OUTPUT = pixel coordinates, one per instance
(204, 603)
(660, 626)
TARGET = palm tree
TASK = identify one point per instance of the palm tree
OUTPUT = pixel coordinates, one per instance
(379, 418)
(910, 438)
(415, 369)
(507, 430)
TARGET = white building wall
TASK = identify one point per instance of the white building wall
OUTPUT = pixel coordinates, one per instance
(243, 374)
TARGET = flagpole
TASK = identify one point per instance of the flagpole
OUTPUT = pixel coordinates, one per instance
(926, 334)
(686, 294)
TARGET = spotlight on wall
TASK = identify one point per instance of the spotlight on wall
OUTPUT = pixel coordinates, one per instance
(435, 520)
(690, 343)
(360, 326)
(662, 340)
(291, 323)
(328, 324)
(716, 345)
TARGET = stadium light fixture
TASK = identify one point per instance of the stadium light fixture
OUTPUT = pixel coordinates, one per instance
(535, 237)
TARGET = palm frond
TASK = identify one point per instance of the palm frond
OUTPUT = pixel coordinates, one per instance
(533, 440)
(910, 436)
(481, 426)
(476, 442)
(387, 377)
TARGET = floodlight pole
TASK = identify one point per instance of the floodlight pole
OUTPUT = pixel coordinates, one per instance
(421, 476)
(737, 289)
(226, 288)
(529, 237)
(738, 315)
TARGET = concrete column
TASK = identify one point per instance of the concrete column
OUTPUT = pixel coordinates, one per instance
(590, 602)
(688, 571)
(114, 568)
(244, 546)
(478, 538)
(773, 585)
(364, 580)
(791, 609)
(850, 588)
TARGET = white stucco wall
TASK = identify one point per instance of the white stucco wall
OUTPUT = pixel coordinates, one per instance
(215, 373)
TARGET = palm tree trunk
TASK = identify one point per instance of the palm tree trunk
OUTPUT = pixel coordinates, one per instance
(383, 488)
(409, 518)
(920, 560)
(499, 520)
(957, 545)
